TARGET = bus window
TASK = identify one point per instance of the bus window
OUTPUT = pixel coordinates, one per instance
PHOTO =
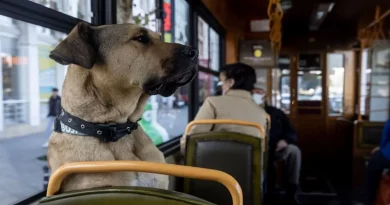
(379, 89)
(365, 79)
(285, 90)
(335, 64)
(207, 86)
(79, 9)
(203, 43)
(309, 77)
(214, 50)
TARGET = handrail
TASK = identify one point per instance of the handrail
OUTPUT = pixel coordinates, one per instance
(227, 121)
(377, 20)
(151, 167)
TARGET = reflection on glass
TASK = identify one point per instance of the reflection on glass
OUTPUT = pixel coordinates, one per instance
(80, 9)
(335, 66)
(207, 86)
(27, 79)
(203, 42)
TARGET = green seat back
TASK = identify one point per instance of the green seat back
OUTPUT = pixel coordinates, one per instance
(123, 196)
(237, 154)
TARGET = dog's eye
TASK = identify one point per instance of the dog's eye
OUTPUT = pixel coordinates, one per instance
(142, 38)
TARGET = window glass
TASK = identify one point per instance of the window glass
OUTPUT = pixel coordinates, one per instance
(365, 82)
(285, 90)
(167, 4)
(181, 22)
(309, 77)
(203, 42)
(281, 83)
(335, 64)
(214, 50)
(28, 75)
(276, 96)
(380, 82)
(208, 86)
(76, 8)
(163, 118)
(141, 12)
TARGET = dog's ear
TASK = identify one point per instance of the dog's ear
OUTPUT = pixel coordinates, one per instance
(76, 48)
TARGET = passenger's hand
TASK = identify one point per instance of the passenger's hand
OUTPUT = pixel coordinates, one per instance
(282, 144)
(374, 150)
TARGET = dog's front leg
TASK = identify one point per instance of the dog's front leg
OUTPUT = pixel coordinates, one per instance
(145, 150)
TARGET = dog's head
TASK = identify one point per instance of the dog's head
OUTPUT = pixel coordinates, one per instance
(127, 55)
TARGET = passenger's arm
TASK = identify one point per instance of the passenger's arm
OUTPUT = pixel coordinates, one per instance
(385, 134)
(207, 111)
(287, 129)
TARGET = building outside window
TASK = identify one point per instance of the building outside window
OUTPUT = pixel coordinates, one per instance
(28, 75)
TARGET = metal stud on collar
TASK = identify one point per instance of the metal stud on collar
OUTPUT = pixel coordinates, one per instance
(99, 132)
(70, 120)
(82, 126)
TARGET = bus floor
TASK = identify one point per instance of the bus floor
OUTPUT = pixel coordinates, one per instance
(322, 188)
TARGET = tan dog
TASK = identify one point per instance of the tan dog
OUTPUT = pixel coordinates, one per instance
(114, 69)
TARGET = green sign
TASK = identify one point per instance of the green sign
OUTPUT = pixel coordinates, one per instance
(149, 124)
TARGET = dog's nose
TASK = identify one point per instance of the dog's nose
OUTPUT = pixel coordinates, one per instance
(190, 52)
(193, 53)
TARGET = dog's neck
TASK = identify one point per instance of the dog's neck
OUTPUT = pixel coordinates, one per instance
(86, 96)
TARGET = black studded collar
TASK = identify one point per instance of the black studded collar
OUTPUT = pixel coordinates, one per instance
(67, 123)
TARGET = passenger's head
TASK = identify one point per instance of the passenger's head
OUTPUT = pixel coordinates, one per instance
(259, 95)
(237, 76)
(54, 91)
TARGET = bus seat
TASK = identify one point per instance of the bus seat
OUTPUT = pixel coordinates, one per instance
(134, 195)
(123, 195)
(383, 194)
(236, 154)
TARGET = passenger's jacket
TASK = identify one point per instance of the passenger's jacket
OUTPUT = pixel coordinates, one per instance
(281, 128)
(236, 105)
(54, 106)
(385, 142)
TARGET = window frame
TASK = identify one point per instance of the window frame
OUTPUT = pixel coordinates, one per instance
(200, 10)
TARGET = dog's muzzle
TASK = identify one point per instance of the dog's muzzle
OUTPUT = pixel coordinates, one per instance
(183, 67)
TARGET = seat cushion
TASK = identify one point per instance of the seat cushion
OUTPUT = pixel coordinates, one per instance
(123, 195)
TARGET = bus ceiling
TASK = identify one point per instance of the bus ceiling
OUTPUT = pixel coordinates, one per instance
(320, 23)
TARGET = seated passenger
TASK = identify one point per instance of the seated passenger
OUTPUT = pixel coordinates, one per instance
(237, 81)
(379, 161)
(282, 146)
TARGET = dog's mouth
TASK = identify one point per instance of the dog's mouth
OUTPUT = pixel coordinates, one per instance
(169, 85)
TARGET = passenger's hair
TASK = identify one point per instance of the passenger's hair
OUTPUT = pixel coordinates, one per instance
(54, 90)
(244, 76)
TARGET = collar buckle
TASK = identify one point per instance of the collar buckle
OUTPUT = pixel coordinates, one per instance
(113, 134)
